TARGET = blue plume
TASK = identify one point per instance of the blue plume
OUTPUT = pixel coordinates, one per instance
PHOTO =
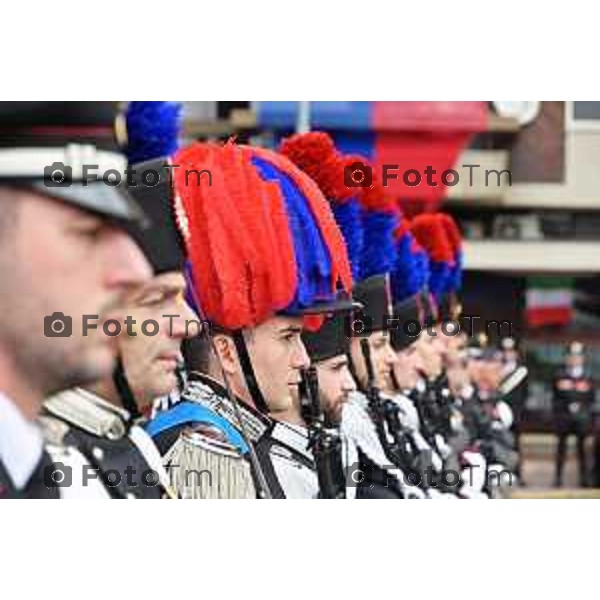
(348, 218)
(405, 279)
(439, 277)
(422, 268)
(379, 249)
(152, 130)
(456, 272)
(313, 261)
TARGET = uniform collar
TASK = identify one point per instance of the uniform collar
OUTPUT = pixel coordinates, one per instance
(292, 436)
(257, 424)
(102, 403)
(212, 394)
(21, 443)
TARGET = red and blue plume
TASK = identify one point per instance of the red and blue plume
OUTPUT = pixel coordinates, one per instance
(348, 216)
(455, 238)
(406, 279)
(315, 153)
(152, 130)
(321, 273)
(261, 239)
(380, 217)
(430, 234)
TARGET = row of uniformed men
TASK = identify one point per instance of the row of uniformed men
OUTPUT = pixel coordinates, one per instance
(299, 383)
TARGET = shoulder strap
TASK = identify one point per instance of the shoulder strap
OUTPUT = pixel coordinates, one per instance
(71, 407)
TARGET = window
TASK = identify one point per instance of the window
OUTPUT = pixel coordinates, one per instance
(583, 116)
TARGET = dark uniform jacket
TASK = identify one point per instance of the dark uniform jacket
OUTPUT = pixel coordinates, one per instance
(572, 399)
(119, 453)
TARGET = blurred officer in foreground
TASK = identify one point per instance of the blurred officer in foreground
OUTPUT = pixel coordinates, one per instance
(573, 396)
(63, 253)
(101, 419)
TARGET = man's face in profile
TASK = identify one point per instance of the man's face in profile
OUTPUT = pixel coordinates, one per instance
(58, 258)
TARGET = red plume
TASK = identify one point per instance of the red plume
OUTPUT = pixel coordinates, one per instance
(429, 232)
(452, 232)
(315, 154)
(243, 266)
(402, 228)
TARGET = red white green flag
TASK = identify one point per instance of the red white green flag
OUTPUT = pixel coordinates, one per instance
(549, 301)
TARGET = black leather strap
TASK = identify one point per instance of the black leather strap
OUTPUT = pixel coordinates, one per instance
(251, 382)
(263, 452)
(124, 391)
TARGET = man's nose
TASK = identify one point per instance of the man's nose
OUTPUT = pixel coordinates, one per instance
(126, 265)
(390, 355)
(418, 362)
(300, 360)
(186, 325)
(348, 384)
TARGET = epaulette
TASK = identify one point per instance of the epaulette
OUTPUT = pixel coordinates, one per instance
(79, 408)
(203, 394)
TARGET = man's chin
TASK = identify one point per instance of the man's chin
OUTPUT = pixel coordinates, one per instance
(84, 369)
(165, 385)
(100, 362)
(336, 416)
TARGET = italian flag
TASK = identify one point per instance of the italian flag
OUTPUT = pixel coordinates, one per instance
(549, 301)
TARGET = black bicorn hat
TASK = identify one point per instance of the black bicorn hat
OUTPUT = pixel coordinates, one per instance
(330, 340)
(160, 241)
(151, 139)
(406, 327)
(374, 295)
(67, 151)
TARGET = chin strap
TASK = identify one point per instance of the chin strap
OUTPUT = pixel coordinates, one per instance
(124, 391)
(250, 376)
(395, 381)
(352, 369)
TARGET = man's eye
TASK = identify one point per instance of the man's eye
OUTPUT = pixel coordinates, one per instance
(153, 300)
(92, 233)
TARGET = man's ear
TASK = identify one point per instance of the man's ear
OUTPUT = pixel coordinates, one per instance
(226, 353)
